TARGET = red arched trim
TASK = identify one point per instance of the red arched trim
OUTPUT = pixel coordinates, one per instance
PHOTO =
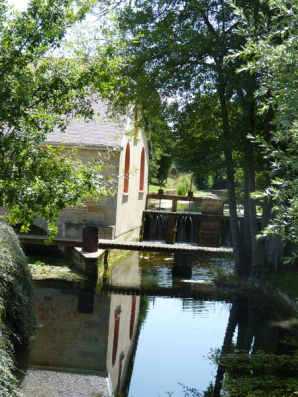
(132, 316)
(126, 169)
(142, 170)
(116, 337)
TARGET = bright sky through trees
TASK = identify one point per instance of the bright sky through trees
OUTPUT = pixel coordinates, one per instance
(20, 5)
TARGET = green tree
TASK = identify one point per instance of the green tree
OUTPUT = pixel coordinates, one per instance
(197, 131)
(181, 48)
(163, 146)
(39, 91)
(271, 54)
(16, 317)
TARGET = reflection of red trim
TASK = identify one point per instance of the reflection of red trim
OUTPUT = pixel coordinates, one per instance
(132, 316)
(126, 169)
(116, 338)
(119, 377)
(142, 170)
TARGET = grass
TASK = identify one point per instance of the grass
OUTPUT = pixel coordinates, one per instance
(182, 183)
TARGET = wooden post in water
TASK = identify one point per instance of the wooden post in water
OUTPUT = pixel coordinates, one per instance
(182, 266)
(172, 222)
(174, 205)
(171, 229)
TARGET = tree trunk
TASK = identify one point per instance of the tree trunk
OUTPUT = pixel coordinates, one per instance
(273, 245)
(255, 268)
(235, 232)
(246, 225)
(227, 344)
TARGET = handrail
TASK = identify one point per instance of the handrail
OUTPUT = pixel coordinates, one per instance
(176, 198)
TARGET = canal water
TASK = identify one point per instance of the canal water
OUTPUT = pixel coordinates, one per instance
(144, 333)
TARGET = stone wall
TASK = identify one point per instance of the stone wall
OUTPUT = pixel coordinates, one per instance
(100, 213)
(71, 332)
(77, 331)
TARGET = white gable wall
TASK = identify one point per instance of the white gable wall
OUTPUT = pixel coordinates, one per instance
(130, 206)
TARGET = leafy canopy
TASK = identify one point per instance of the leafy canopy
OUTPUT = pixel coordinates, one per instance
(39, 91)
(272, 54)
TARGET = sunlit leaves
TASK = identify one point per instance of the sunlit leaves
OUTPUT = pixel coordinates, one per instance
(38, 92)
(46, 180)
(272, 53)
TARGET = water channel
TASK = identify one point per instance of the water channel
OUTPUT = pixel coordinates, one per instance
(144, 333)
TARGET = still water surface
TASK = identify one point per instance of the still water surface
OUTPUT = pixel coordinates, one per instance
(146, 333)
(174, 344)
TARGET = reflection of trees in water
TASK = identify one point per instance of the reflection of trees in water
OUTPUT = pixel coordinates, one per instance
(243, 364)
(253, 360)
(191, 392)
(144, 309)
(199, 305)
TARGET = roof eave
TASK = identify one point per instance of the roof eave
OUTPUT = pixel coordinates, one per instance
(85, 146)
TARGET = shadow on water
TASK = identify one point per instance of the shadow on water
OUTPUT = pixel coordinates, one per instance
(149, 334)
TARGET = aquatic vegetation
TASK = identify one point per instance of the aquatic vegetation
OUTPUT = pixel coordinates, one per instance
(16, 317)
(260, 374)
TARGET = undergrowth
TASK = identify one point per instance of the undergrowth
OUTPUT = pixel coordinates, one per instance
(287, 282)
(16, 317)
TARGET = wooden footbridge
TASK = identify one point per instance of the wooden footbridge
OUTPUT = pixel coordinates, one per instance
(148, 246)
(209, 236)
(159, 247)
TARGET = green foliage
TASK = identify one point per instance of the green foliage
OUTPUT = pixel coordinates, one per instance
(182, 190)
(40, 91)
(260, 374)
(287, 282)
(45, 181)
(271, 53)
(8, 384)
(184, 184)
(16, 288)
(16, 317)
(198, 147)
(179, 50)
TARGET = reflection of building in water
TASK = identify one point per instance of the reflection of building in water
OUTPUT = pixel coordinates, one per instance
(80, 332)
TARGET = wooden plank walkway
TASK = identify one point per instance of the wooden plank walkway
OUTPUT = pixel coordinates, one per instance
(205, 294)
(203, 217)
(159, 247)
(126, 245)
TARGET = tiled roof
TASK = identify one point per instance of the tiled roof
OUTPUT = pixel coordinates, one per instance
(102, 131)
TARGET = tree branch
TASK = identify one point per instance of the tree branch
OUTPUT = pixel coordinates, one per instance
(208, 24)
